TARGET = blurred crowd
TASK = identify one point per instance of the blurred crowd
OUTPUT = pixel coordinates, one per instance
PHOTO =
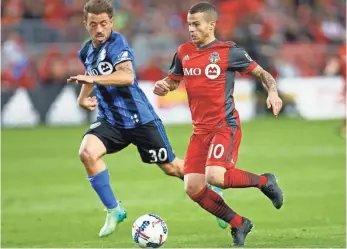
(290, 38)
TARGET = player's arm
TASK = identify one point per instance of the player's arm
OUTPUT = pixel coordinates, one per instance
(172, 81)
(123, 76)
(173, 84)
(164, 86)
(121, 57)
(86, 102)
(273, 100)
(86, 90)
(240, 61)
(266, 79)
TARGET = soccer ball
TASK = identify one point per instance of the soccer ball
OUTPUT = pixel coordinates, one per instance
(149, 230)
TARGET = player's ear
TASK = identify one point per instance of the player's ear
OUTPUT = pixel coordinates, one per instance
(212, 25)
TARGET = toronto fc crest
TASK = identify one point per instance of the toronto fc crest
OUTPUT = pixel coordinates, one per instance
(214, 58)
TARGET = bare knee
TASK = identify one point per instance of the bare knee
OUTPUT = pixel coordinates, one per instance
(192, 189)
(193, 184)
(87, 157)
(215, 180)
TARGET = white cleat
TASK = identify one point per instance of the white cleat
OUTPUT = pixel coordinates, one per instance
(113, 218)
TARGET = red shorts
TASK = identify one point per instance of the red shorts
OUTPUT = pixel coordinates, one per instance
(219, 148)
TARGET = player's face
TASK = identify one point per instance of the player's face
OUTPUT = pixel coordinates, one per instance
(200, 29)
(99, 27)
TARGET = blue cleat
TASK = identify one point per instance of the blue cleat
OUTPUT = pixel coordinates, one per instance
(113, 218)
(222, 224)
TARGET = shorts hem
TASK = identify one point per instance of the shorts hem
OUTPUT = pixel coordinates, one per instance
(103, 140)
(221, 164)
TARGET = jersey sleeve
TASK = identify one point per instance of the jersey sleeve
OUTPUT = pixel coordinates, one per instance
(120, 51)
(176, 69)
(80, 56)
(240, 61)
(82, 53)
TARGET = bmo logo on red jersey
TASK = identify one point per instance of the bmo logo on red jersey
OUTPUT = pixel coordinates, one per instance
(192, 71)
(212, 71)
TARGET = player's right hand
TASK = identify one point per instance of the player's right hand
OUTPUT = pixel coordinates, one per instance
(89, 103)
(274, 101)
(161, 88)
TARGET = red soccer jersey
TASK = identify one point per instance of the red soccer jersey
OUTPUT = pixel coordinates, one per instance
(209, 76)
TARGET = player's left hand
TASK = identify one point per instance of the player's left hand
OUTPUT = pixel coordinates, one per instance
(274, 101)
(83, 79)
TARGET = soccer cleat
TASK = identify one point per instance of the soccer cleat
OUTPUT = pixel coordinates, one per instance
(222, 224)
(113, 218)
(272, 190)
(239, 234)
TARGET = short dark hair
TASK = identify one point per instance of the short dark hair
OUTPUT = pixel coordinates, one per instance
(204, 7)
(98, 7)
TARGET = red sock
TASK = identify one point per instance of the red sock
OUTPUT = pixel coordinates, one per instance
(214, 204)
(236, 178)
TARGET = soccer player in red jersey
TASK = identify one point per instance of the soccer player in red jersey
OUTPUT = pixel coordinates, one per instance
(208, 68)
(335, 65)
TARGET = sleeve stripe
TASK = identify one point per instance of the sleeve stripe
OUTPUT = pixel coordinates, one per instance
(120, 61)
(174, 77)
(249, 68)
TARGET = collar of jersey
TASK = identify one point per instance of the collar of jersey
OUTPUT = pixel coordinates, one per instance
(208, 45)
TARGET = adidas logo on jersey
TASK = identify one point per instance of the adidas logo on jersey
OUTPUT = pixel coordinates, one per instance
(185, 58)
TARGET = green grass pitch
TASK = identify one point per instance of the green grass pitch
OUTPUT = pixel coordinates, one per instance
(47, 201)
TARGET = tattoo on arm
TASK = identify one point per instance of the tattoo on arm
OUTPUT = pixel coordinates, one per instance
(266, 78)
(126, 67)
(172, 83)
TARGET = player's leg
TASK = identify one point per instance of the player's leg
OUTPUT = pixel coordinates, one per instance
(91, 152)
(221, 171)
(213, 203)
(173, 168)
(195, 184)
(98, 141)
(154, 147)
(177, 166)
